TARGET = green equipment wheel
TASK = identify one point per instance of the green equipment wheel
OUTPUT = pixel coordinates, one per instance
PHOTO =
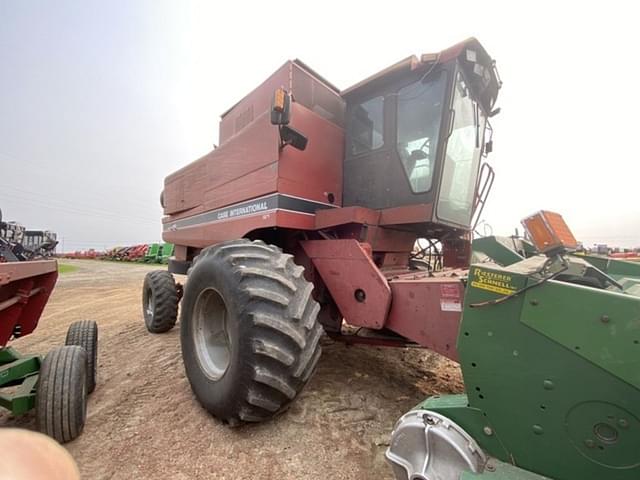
(249, 331)
(85, 334)
(159, 301)
(61, 393)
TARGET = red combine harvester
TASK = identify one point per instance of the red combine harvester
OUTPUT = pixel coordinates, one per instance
(306, 217)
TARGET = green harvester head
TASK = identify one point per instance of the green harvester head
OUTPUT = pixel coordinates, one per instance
(549, 347)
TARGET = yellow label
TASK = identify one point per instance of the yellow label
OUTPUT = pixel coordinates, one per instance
(493, 281)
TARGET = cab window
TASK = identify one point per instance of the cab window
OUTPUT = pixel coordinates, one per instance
(367, 126)
(419, 117)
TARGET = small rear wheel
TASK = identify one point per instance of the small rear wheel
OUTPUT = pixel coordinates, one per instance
(61, 393)
(159, 301)
(85, 334)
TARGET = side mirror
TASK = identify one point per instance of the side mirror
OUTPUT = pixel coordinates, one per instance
(281, 115)
(290, 136)
(280, 107)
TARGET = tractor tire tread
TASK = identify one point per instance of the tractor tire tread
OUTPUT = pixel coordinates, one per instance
(84, 333)
(61, 393)
(165, 307)
(279, 319)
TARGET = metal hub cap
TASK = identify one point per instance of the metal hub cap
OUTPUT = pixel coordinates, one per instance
(428, 446)
(210, 334)
(150, 303)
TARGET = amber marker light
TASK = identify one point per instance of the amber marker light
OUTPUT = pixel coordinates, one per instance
(549, 232)
(279, 99)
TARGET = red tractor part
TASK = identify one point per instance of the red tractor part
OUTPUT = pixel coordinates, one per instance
(24, 291)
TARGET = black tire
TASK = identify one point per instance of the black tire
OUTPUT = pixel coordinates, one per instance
(61, 394)
(85, 334)
(419, 264)
(270, 324)
(159, 301)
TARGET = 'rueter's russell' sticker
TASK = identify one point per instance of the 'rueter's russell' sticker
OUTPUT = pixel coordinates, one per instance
(493, 281)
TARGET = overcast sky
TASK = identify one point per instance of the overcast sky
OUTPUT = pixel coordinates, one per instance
(99, 101)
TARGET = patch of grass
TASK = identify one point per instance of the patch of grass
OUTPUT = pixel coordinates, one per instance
(66, 268)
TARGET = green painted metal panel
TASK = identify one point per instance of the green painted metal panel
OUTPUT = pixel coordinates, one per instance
(496, 249)
(18, 369)
(601, 326)
(503, 471)
(456, 407)
(8, 354)
(614, 267)
(20, 373)
(555, 411)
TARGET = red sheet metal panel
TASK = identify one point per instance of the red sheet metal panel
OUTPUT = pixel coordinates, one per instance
(243, 168)
(419, 213)
(359, 289)
(307, 88)
(24, 290)
(316, 172)
(208, 233)
(343, 216)
(12, 271)
(428, 311)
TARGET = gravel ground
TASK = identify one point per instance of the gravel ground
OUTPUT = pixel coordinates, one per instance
(143, 422)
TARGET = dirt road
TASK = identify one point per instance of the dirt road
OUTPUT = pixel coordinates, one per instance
(143, 421)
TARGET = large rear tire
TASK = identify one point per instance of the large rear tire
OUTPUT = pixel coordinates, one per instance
(248, 330)
(159, 301)
(61, 394)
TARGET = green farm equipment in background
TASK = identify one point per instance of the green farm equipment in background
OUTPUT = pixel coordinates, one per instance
(166, 251)
(549, 347)
(152, 254)
(159, 253)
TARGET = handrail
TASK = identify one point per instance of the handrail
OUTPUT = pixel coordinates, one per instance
(485, 181)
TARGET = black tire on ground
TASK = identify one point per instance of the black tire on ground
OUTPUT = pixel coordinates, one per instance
(61, 394)
(84, 333)
(248, 330)
(159, 301)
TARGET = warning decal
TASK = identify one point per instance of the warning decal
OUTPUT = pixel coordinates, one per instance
(450, 298)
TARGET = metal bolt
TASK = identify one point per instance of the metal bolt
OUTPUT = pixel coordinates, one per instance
(623, 423)
(488, 431)
(534, 302)
(548, 385)
(491, 467)
(429, 420)
(589, 443)
(538, 430)
(604, 318)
